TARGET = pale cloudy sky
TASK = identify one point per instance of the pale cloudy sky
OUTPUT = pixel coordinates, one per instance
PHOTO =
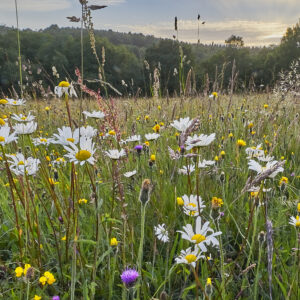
(260, 22)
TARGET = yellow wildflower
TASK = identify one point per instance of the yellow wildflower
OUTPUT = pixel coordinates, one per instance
(19, 271)
(114, 242)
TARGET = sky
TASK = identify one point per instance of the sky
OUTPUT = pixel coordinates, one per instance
(259, 22)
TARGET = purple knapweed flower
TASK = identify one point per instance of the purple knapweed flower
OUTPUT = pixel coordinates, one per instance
(55, 298)
(138, 148)
(129, 277)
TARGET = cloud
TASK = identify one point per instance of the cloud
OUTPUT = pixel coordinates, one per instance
(36, 5)
(255, 33)
(112, 2)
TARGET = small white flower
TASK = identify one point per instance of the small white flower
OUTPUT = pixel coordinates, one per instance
(133, 138)
(199, 141)
(85, 132)
(25, 128)
(115, 154)
(60, 90)
(21, 166)
(202, 236)
(95, 114)
(18, 102)
(41, 141)
(295, 221)
(152, 136)
(205, 163)
(161, 233)
(187, 170)
(82, 154)
(255, 166)
(253, 152)
(189, 257)
(130, 174)
(190, 205)
(182, 125)
(5, 137)
(23, 118)
(65, 136)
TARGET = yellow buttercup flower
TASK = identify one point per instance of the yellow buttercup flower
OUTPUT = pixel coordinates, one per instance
(283, 180)
(208, 281)
(156, 128)
(26, 267)
(3, 101)
(180, 201)
(36, 297)
(153, 157)
(80, 201)
(2, 122)
(241, 143)
(114, 242)
(266, 106)
(64, 84)
(216, 202)
(147, 143)
(19, 271)
(112, 132)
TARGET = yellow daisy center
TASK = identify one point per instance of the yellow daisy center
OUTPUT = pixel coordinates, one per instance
(83, 155)
(70, 140)
(2, 139)
(191, 258)
(21, 163)
(297, 221)
(192, 204)
(23, 118)
(198, 238)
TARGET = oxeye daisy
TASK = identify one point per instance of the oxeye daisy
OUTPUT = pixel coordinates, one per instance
(65, 136)
(189, 257)
(295, 221)
(95, 114)
(202, 236)
(205, 163)
(115, 154)
(161, 233)
(23, 118)
(185, 170)
(255, 166)
(190, 205)
(152, 136)
(25, 128)
(5, 137)
(64, 87)
(18, 102)
(85, 132)
(199, 141)
(82, 153)
(182, 125)
(20, 165)
(134, 138)
(130, 174)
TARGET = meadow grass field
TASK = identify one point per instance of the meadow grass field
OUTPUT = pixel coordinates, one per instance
(205, 206)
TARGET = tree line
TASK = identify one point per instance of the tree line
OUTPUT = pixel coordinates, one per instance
(131, 61)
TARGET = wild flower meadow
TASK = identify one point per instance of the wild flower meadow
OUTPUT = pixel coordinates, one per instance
(186, 198)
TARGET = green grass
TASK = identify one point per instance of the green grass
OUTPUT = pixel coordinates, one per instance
(85, 264)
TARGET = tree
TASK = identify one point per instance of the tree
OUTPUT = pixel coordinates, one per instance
(235, 41)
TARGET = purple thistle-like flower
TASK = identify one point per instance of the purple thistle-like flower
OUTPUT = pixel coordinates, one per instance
(138, 148)
(129, 276)
(55, 298)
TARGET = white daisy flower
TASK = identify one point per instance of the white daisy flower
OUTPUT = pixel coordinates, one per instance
(85, 132)
(199, 141)
(25, 128)
(265, 158)
(82, 154)
(18, 102)
(182, 125)
(205, 163)
(41, 141)
(295, 221)
(65, 136)
(255, 166)
(21, 166)
(202, 236)
(130, 174)
(152, 136)
(161, 233)
(134, 138)
(115, 153)
(189, 257)
(187, 170)
(253, 152)
(23, 118)
(95, 114)
(190, 205)
(60, 90)
(5, 137)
